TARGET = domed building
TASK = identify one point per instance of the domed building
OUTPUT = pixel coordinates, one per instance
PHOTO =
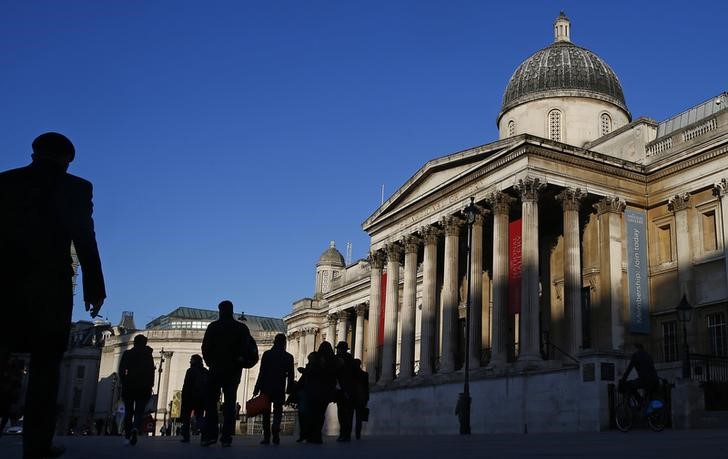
(536, 261)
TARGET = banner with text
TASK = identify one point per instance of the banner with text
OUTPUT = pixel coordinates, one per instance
(514, 267)
(637, 285)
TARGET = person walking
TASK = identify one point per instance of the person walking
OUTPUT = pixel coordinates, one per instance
(319, 390)
(136, 374)
(276, 373)
(193, 395)
(45, 210)
(223, 348)
(361, 397)
(346, 391)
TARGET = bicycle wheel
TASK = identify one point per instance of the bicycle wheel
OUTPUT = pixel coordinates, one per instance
(623, 415)
(657, 420)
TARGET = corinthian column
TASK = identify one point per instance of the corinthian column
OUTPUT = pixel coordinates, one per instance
(679, 205)
(500, 203)
(720, 189)
(429, 295)
(331, 331)
(476, 288)
(450, 294)
(376, 262)
(407, 353)
(570, 198)
(163, 402)
(608, 324)
(389, 349)
(360, 310)
(529, 338)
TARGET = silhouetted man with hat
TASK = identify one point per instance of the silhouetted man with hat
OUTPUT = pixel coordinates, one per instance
(346, 390)
(44, 210)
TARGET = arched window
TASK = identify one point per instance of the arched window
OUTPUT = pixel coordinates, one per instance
(606, 123)
(555, 125)
(511, 128)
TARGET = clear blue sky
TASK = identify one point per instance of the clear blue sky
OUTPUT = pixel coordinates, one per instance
(229, 142)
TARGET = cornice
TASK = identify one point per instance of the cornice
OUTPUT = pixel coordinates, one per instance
(687, 163)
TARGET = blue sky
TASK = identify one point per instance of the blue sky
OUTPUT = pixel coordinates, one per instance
(229, 142)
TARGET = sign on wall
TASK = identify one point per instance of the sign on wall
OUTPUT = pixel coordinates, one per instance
(637, 280)
(514, 267)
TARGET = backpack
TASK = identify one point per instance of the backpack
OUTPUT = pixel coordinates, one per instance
(250, 353)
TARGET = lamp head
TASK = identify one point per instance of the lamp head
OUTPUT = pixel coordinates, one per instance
(684, 310)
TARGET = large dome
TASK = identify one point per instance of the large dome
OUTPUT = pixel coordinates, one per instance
(563, 69)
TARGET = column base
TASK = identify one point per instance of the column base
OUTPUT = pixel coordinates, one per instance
(529, 361)
(496, 363)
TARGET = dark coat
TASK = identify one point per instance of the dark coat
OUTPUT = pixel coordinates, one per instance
(346, 374)
(223, 346)
(136, 372)
(44, 210)
(194, 386)
(276, 369)
(361, 392)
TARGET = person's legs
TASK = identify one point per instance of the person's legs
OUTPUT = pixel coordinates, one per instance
(357, 429)
(128, 416)
(140, 405)
(230, 395)
(210, 427)
(40, 403)
(184, 417)
(266, 427)
(277, 417)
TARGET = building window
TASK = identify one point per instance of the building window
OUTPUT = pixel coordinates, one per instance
(710, 238)
(717, 334)
(80, 371)
(511, 128)
(606, 123)
(555, 125)
(664, 244)
(669, 341)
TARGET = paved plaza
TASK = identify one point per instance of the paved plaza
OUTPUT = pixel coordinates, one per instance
(704, 444)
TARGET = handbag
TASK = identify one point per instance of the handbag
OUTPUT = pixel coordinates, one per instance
(257, 405)
(151, 405)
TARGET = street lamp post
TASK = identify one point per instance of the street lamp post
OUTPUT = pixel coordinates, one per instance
(463, 408)
(684, 314)
(159, 383)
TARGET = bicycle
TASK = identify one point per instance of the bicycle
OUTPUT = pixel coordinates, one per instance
(630, 408)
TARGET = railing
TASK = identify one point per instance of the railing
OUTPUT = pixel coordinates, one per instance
(708, 368)
(550, 351)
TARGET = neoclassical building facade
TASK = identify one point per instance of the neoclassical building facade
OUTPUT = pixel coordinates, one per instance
(590, 227)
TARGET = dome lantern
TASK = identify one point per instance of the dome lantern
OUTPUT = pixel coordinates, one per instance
(562, 28)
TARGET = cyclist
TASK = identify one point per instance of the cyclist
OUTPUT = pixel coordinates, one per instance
(646, 374)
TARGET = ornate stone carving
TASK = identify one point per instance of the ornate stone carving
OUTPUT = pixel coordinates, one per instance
(376, 259)
(720, 189)
(500, 202)
(333, 318)
(570, 198)
(311, 331)
(679, 202)
(361, 309)
(452, 225)
(394, 251)
(411, 243)
(529, 188)
(480, 214)
(430, 234)
(610, 204)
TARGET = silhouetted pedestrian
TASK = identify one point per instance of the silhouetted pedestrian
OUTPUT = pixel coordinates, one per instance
(319, 390)
(11, 380)
(345, 392)
(361, 397)
(136, 374)
(223, 349)
(44, 210)
(276, 370)
(300, 399)
(193, 395)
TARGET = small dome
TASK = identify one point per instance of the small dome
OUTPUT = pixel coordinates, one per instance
(563, 69)
(331, 257)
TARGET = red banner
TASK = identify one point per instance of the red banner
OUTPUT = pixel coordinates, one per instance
(514, 267)
(383, 302)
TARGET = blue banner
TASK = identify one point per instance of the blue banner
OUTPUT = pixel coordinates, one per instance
(638, 283)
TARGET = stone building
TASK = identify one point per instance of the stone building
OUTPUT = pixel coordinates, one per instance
(174, 337)
(590, 227)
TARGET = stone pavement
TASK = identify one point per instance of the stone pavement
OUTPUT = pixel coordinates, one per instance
(704, 444)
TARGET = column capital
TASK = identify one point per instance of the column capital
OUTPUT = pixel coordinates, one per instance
(452, 224)
(311, 331)
(570, 198)
(411, 243)
(430, 234)
(480, 214)
(529, 187)
(333, 318)
(394, 251)
(679, 202)
(294, 334)
(610, 204)
(500, 202)
(376, 259)
(361, 309)
(720, 189)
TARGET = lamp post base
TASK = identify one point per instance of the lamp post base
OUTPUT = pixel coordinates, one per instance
(463, 412)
